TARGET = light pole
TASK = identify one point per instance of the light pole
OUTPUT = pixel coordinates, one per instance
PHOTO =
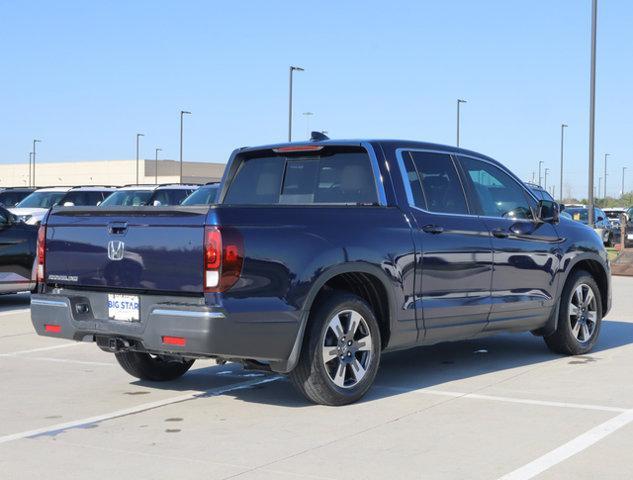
(308, 115)
(533, 173)
(292, 70)
(182, 113)
(592, 108)
(30, 166)
(545, 183)
(622, 191)
(34, 142)
(138, 136)
(459, 102)
(156, 165)
(540, 177)
(562, 147)
(605, 174)
(599, 187)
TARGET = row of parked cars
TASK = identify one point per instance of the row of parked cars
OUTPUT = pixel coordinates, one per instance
(22, 210)
(30, 205)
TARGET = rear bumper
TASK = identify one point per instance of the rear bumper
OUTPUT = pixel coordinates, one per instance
(209, 331)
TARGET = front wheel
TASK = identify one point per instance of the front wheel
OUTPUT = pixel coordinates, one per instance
(341, 351)
(580, 316)
(156, 368)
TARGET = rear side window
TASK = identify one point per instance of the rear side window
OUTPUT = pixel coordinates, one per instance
(434, 182)
(330, 176)
(169, 197)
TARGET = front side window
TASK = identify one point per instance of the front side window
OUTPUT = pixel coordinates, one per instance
(331, 176)
(499, 194)
(203, 196)
(434, 182)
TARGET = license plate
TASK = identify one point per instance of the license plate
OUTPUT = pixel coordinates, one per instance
(124, 307)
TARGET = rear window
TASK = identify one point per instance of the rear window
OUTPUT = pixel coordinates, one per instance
(203, 196)
(331, 176)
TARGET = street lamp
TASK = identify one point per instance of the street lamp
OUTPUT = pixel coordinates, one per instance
(138, 136)
(459, 102)
(562, 146)
(292, 70)
(156, 165)
(34, 142)
(622, 191)
(540, 177)
(605, 174)
(545, 183)
(30, 166)
(592, 108)
(182, 112)
(308, 115)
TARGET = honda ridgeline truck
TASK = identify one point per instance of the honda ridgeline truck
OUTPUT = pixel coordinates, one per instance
(318, 258)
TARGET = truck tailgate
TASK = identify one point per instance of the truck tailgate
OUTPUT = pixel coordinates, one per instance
(133, 248)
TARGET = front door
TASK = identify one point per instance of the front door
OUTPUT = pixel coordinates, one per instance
(454, 263)
(526, 251)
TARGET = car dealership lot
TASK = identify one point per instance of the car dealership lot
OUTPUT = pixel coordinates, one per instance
(479, 409)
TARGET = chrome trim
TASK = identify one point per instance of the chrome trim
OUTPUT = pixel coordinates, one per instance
(186, 313)
(49, 303)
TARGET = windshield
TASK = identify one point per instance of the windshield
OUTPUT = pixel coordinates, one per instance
(84, 199)
(127, 198)
(12, 198)
(203, 196)
(41, 200)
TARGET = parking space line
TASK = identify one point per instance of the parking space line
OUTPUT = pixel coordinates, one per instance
(525, 401)
(567, 450)
(61, 427)
(14, 312)
(60, 360)
(41, 349)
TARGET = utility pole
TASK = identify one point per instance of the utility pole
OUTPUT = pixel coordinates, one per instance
(156, 165)
(30, 168)
(182, 112)
(545, 183)
(34, 142)
(459, 101)
(622, 191)
(592, 108)
(540, 177)
(562, 148)
(605, 174)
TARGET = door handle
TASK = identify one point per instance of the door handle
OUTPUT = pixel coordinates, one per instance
(500, 233)
(434, 229)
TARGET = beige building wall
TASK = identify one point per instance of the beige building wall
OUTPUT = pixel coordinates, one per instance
(109, 172)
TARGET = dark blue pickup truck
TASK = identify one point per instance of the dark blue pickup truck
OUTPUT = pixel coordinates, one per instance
(318, 257)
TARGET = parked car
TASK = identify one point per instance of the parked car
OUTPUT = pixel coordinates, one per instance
(319, 257)
(205, 195)
(11, 196)
(17, 253)
(614, 214)
(153, 195)
(602, 225)
(34, 207)
(539, 192)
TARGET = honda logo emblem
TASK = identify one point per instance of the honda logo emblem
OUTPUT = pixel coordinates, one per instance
(116, 250)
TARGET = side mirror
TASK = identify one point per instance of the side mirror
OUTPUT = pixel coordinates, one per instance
(157, 203)
(548, 211)
(561, 207)
(69, 204)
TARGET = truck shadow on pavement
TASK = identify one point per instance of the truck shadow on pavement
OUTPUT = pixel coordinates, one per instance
(13, 301)
(409, 370)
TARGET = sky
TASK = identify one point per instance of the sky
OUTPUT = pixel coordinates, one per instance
(85, 77)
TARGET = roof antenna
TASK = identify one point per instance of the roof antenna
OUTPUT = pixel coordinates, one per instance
(318, 137)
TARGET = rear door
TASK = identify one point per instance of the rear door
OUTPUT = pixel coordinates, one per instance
(526, 252)
(17, 253)
(454, 267)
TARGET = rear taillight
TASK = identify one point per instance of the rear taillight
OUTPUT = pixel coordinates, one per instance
(41, 253)
(223, 258)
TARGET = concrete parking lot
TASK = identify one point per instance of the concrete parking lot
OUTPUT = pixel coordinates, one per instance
(500, 407)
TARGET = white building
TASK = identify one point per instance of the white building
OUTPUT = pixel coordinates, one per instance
(109, 172)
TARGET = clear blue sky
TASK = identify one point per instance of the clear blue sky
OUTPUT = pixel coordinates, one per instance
(86, 76)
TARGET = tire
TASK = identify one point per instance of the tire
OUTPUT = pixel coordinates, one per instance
(565, 340)
(328, 382)
(154, 368)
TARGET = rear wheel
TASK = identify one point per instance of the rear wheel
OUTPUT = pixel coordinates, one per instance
(580, 316)
(156, 368)
(341, 351)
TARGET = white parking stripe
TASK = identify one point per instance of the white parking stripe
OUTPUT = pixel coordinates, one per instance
(525, 401)
(14, 312)
(41, 349)
(60, 427)
(577, 445)
(61, 360)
